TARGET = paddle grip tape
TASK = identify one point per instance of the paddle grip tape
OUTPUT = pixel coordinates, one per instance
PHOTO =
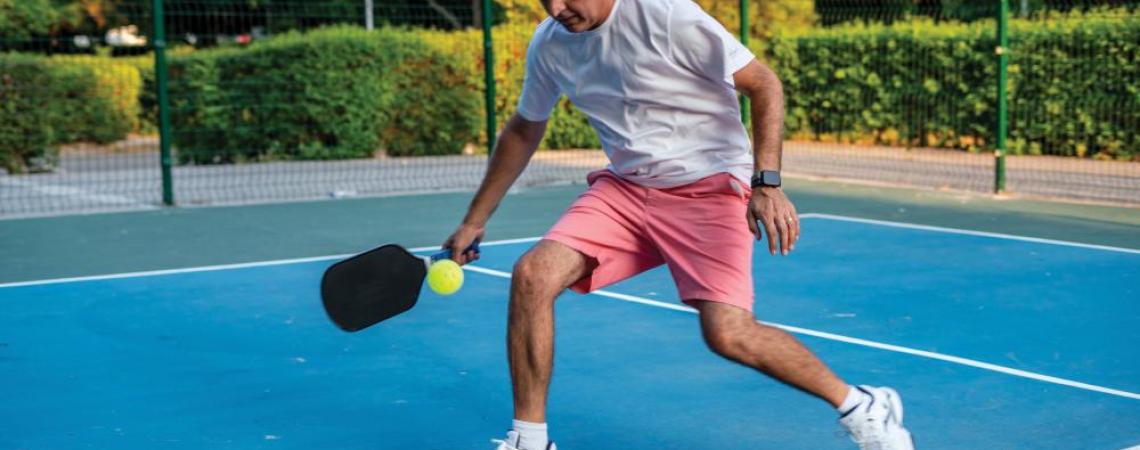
(446, 253)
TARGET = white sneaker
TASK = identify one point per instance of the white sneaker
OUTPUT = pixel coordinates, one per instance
(876, 423)
(512, 442)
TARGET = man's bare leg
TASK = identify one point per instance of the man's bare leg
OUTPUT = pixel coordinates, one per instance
(539, 277)
(734, 334)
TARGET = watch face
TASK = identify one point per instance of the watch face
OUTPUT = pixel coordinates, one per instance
(766, 178)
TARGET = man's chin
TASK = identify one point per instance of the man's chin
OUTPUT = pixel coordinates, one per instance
(576, 27)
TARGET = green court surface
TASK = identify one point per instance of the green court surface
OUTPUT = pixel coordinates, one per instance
(82, 245)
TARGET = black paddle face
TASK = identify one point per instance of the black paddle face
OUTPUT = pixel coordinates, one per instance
(373, 286)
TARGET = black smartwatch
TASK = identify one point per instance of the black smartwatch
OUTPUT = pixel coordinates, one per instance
(766, 178)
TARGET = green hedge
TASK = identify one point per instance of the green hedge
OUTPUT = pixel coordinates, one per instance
(1075, 84)
(910, 84)
(568, 127)
(148, 91)
(347, 93)
(333, 93)
(26, 135)
(103, 102)
(45, 102)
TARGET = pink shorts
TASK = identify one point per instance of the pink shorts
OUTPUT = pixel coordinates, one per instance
(699, 230)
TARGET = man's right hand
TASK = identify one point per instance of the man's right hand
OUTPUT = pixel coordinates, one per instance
(462, 238)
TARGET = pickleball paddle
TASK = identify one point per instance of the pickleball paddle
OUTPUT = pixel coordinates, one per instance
(376, 285)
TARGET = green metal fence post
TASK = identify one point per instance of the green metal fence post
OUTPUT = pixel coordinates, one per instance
(160, 75)
(1003, 100)
(489, 75)
(745, 109)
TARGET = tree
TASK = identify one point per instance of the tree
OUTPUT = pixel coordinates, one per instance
(23, 20)
(94, 17)
(520, 11)
(766, 18)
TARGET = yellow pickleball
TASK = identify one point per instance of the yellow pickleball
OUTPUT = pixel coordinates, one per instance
(445, 277)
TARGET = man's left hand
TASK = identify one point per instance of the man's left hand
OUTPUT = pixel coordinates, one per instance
(771, 209)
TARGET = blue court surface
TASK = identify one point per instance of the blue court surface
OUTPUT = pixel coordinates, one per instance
(994, 342)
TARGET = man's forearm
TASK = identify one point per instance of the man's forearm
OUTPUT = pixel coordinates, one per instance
(767, 121)
(512, 152)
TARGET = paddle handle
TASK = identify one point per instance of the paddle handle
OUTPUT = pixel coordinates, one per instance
(446, 253)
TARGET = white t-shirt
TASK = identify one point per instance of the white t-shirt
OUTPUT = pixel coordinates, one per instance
(655, 81)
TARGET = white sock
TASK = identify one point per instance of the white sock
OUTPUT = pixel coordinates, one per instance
(532, 436)
(854, 398)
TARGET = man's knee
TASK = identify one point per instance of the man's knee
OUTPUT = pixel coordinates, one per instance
(527, 275)
(546, 270)
(724, 329)
(723, 342)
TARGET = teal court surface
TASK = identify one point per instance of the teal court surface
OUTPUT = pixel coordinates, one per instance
(1003, 333)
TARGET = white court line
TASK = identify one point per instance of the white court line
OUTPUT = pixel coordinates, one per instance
(276, 262)
(152, 273)
(1011, 237)
(861, 342)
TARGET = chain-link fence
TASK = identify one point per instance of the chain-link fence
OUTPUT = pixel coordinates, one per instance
(893, 93)
(232, 101)
(1074, 122)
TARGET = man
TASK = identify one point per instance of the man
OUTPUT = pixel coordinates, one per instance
(656, 79)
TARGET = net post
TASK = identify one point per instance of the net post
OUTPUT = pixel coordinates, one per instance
(489, 75)
(745, 109)
(160, 74)
(1002, 96)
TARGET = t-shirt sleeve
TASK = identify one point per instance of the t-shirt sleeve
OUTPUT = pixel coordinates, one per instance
(539, 91)
(702, 45)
